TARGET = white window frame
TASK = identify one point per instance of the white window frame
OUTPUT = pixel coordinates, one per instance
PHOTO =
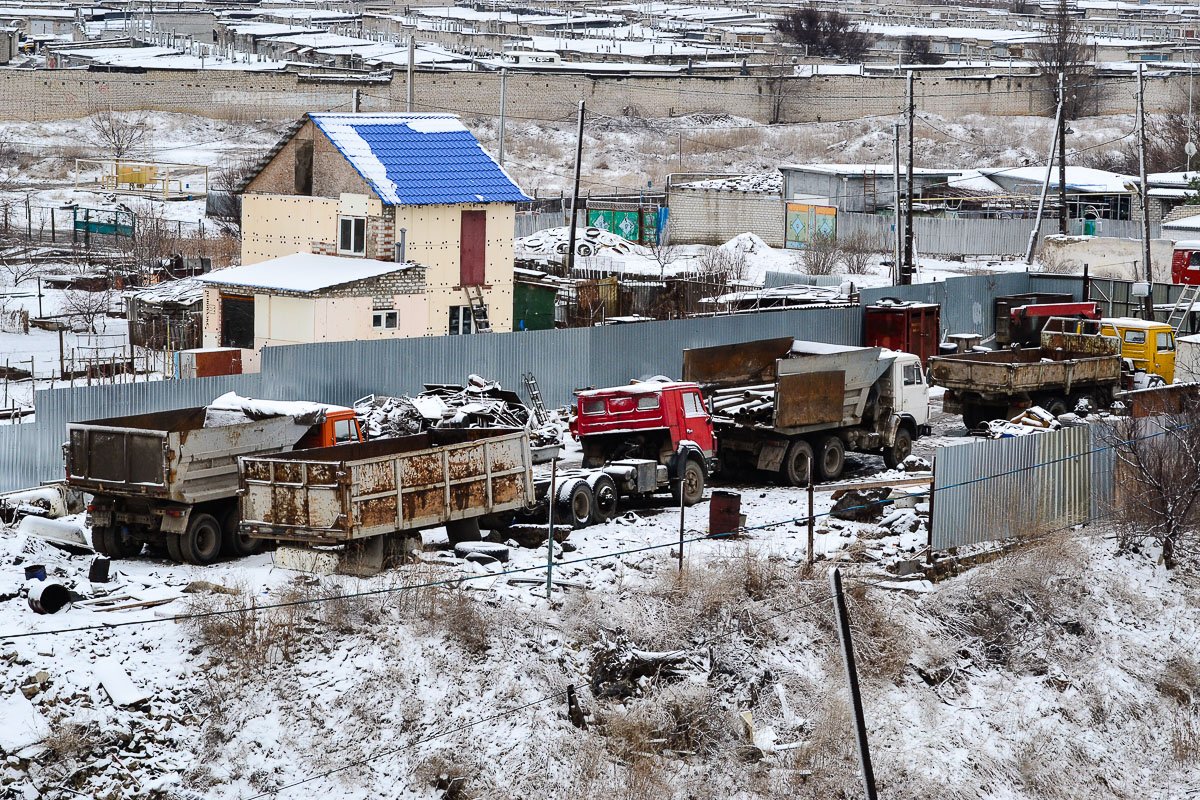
(380, 320)
(352, 251)
(466, 321)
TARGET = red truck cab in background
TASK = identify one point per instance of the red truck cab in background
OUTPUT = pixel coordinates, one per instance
(1185, 262)
(661, 422)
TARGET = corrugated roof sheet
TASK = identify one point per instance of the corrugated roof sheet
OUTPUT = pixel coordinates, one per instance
(419, 159)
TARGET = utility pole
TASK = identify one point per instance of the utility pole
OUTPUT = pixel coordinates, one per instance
(1148, 301)
(679, 149)
(896, 202)
(575, 193)
(860, 725)
(1062, 157)
(354, 102)
(906, 269)
(503, 104)
(412, 57)
(1037, 221)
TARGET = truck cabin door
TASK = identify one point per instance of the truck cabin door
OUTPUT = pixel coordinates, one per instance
(914, 393)
(696, 423)
(1164, 356)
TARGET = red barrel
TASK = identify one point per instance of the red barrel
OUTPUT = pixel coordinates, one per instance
(724, 512)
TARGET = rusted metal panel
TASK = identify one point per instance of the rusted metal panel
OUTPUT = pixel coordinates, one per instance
(373, 477)
(465, 462)
(735, 364)
(809, 399)
(421, 469)
(377, 512)
(1174, 399)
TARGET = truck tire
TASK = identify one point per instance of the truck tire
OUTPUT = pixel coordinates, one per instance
(974, 416)
(113, 543)
(605, 497)
(463, 530)
(234, 543)
(174, 550)
(901, 449)
(797, 463)
(201, 544)
(1056, 406)
(574, 502)
(691, 489)
(831, 458)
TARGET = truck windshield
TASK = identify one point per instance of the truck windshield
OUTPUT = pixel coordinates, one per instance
(1135, 337)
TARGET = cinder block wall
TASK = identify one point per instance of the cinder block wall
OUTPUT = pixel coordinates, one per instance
(713, 216)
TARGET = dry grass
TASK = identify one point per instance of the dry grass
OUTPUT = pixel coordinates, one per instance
(1180, 679)
(1185, 736)
(685, 719)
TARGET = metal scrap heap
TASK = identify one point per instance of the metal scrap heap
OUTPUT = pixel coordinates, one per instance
(479, 404)
(745, 405)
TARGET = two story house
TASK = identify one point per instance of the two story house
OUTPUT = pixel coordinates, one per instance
(388, 187)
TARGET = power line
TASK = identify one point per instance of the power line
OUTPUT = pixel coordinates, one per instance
(458, 581)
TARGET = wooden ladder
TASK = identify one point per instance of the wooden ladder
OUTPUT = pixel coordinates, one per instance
(870, 199)
(535, 396)
(1183, 306)
(479, 310)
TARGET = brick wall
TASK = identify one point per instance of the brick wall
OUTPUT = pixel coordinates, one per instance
(713, 216)
(381, 288)
(37, 95)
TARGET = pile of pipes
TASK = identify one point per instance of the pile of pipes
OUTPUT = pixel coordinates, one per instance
(745, 405)
(479, 404)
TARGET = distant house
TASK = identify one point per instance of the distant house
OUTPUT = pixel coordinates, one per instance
(304, 298)
(1091, 193)
(373, 185)
(166, 316)
(860, 188)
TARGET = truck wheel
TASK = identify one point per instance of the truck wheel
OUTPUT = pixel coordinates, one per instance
(201, 544)
(234, 542)
(798, 462)
(463, 530)
(901, 449)
(574, 502)
(832, 458)
(605, 497)
(174, 550)
(1056, 406)
(974, 416)
(692, 485)
(113, 543)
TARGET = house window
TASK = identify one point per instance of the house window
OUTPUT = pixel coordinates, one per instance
(460, 320)
(352, 235)
(385, 320)
(237, 322)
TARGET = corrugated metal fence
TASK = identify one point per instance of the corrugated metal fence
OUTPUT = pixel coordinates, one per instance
(1021, 486)
(562, 360)
(935, 236)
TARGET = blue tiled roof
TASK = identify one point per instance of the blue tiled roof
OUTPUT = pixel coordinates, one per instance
(419, 159)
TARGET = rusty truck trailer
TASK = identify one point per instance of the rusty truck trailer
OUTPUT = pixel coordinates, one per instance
(1065, 369)
(349, 492)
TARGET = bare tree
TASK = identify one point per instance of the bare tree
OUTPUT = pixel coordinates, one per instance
(1062, 46)
(917, 50)
(20, 266)
(119, 135)
(89, 308)
(1159, 491)
(857, 250)
(722, 265)
(664, 251)
(828, 34)
(820, 255)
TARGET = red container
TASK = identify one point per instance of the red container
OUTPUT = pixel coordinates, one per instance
(904, 326)
(209, 361)
(724, 512)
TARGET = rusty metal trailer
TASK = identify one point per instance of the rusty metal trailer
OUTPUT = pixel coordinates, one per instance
(1066, 368)
(353, 492)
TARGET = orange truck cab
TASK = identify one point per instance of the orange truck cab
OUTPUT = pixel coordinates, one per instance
(340, 426)
(662, 426)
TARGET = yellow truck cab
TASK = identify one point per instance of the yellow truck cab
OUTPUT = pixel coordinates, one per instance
(1149, 345)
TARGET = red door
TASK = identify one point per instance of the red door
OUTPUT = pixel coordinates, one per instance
(473, 248)
(697, 427)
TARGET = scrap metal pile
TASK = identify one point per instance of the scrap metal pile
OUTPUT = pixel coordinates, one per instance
(479, 404)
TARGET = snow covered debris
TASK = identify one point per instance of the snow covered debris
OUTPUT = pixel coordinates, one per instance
(589, 241)
(766, 183)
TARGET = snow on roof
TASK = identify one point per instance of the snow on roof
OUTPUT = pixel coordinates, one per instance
(1184, 224)
(865, 169)
(1079, 178)
(975, 181)
(1171, 179)
(303, 272)
(185, 290)
(768, 183)
(419, 159)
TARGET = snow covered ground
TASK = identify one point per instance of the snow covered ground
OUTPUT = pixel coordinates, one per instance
(1063, 658)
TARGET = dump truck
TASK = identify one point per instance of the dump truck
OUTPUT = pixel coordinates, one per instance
(1074, 362)
(388, 490)
(795, 407)
(170, 479)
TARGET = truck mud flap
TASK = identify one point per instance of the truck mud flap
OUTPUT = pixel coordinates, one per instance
(770, 456)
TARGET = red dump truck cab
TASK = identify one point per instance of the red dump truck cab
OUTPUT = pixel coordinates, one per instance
(1185, 262)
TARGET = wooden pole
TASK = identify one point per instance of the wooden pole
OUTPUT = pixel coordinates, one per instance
(860, 726)
(550, 498)
(811, 518)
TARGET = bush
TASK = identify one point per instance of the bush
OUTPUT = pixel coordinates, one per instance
(821, 255)
(857, 251)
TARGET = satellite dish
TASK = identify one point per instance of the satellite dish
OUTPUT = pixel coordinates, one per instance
(1190, 149)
